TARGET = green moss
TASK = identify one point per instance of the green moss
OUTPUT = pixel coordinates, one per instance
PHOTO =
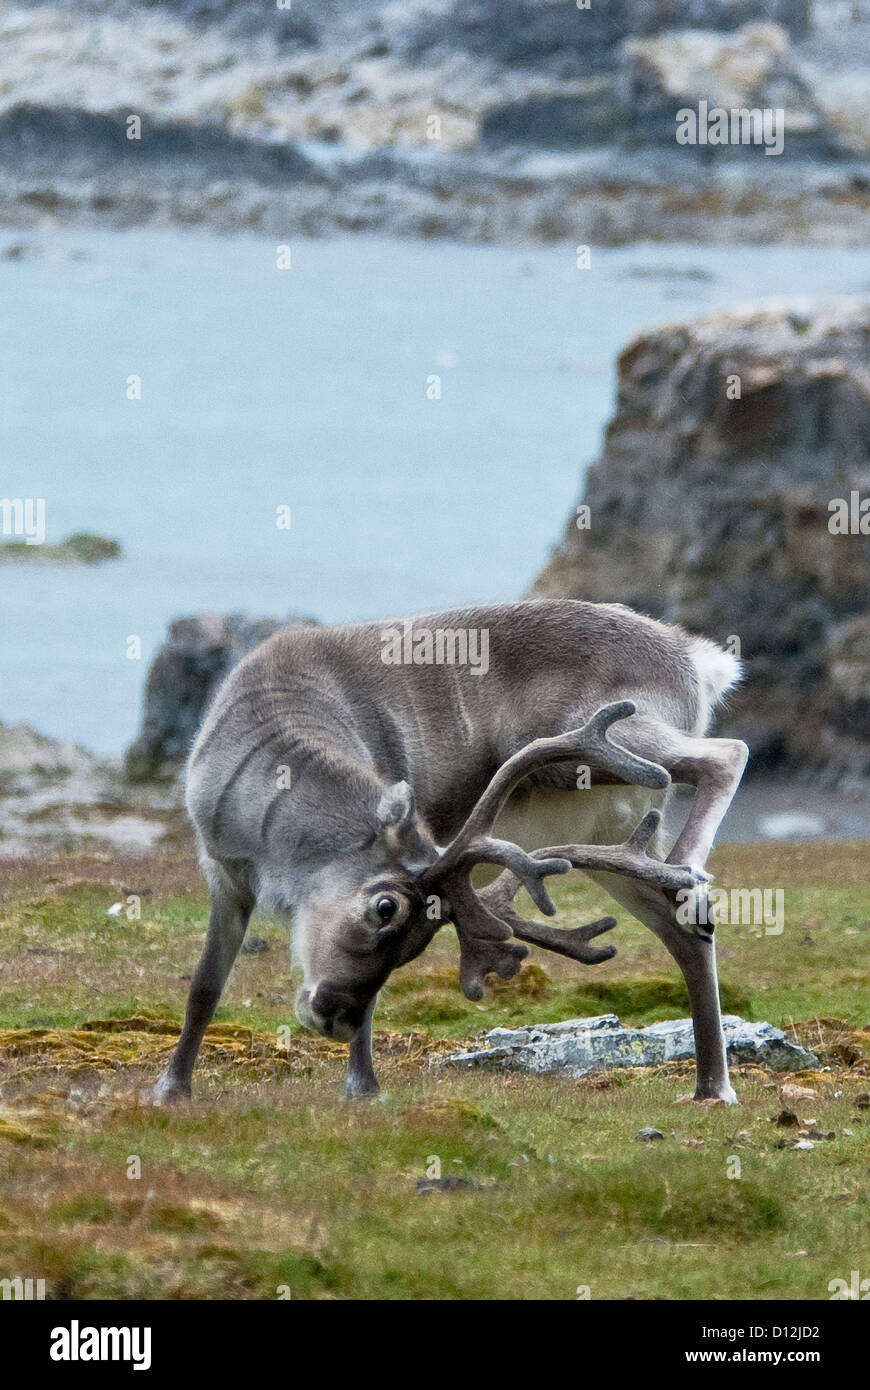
(80, 548)
(269, 1181)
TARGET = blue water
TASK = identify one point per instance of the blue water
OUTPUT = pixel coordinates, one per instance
(307, 388)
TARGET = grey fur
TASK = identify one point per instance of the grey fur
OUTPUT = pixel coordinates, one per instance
(385, 762)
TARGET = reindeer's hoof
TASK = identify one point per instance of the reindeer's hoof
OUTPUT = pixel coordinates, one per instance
(724, 1096)
(361, 1090)
(169, 1091)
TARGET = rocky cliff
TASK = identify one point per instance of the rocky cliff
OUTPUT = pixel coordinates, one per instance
(184, 675)
(715, 505)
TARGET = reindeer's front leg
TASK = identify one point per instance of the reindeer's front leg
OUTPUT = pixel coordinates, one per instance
(361, 1080)
(231, 908)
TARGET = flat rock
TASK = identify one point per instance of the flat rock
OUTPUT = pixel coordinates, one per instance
(582, 1045)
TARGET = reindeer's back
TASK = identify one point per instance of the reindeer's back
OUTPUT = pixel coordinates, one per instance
(444, 726)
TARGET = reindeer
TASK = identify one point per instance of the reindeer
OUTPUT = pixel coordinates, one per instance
(356, 793)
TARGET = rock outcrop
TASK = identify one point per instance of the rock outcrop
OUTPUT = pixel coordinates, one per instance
(561, 36)
(714, 505)
(648, 80)
(55, 795)
(185, 673)
(583, 1045)
(752, 69)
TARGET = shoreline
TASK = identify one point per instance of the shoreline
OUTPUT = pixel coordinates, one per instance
(61, 163)
(56, 798)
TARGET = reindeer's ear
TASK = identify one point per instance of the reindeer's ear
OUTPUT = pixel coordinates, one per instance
(396, 807)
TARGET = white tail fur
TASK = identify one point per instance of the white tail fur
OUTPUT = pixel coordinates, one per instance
(718, 670)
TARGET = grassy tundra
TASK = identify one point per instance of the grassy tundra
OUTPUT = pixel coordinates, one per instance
(269, 1182)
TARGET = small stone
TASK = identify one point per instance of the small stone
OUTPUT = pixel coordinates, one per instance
(426, 1186)
(787, 1119)
(742, 1139)
(693, 1144)
(649, 1134)
(803, 1144)
(791, 1092)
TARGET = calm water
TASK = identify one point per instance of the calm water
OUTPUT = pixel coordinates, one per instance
(308, 388)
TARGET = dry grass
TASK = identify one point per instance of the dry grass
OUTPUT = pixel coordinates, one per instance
(268, 1181)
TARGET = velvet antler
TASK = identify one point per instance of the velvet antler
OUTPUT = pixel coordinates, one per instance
(485, 921)
(631, 858)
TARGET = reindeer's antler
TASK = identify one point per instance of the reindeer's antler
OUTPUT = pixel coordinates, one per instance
(631, 858)
(485, 921)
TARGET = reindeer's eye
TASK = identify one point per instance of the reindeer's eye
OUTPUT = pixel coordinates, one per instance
(386, 907)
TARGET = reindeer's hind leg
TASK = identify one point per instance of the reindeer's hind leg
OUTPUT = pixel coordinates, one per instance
(714, 767)
(696, 958)
(231, 908)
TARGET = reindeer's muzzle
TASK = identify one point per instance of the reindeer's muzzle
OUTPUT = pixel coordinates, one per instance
(334, 1012)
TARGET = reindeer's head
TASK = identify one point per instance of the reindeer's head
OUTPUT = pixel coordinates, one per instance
(363, 915)
(380, 905)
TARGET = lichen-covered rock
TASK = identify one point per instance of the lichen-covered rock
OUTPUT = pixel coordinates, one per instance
(582, 1045)
(710, 507)
(185, 673)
